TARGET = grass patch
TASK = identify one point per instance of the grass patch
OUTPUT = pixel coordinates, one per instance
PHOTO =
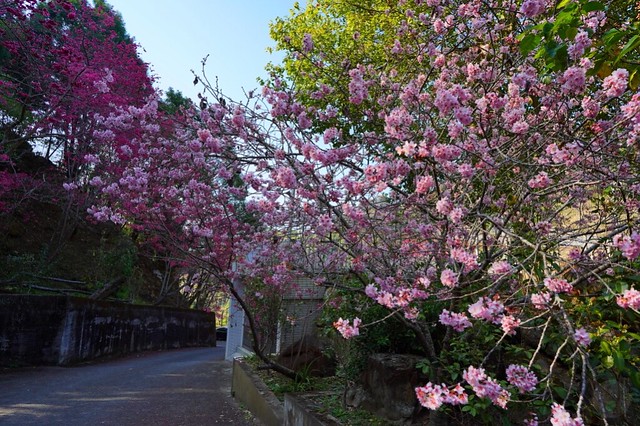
(328, 402)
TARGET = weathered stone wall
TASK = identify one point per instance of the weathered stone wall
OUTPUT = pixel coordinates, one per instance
(66, 330)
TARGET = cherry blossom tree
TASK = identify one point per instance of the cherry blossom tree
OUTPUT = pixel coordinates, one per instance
(488, 199)
(503, 190)
(62, 62)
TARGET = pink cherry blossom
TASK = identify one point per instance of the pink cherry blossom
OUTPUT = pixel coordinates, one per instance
(449, 278)
(615, 84)
(500, 268)
(540, 181)
(558, 285)
(485, 386)
(541, 300)
(522, 378)
(628, 245)
(582, 337)
(573, 80)
(532, 8)
(348, 331)
(455, 320)
(487, 309)
(561, 417)
(629, 299)
(430, 396)
(509, 324)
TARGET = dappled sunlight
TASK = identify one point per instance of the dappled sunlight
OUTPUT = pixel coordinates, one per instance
(36, 410)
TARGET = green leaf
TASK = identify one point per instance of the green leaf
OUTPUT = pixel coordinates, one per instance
(634, 79)
(593, 5)
(563, 3)
(612, 36)
(635, 378)
(562, 392)
(571, 33)
(529, 43)
(635, 336)
(551, 48)
(618, 361)
(632, 44)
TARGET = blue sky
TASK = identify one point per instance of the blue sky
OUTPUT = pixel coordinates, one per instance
(176, 35)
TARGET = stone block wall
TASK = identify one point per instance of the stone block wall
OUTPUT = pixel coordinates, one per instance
(66, 330)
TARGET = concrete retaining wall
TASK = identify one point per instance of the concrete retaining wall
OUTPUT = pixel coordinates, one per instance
(255, 395)
(65, 330)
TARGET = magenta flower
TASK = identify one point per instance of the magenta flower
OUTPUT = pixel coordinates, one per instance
(520, 377)
(629, 299)
(582, 337)
(348, 331)
(541, 300)
(509, 324)
(615, 84)
(455, 320)
(307, 43)
(558, 285)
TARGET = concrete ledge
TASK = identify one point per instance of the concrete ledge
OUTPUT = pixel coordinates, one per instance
(256, 397)
(299, 410)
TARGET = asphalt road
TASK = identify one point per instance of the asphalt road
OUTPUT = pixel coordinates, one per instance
(179, 387)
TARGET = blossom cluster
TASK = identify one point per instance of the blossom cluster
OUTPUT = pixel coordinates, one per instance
(522, 378)
(558, 285)
(582, 337)
(348, 331)
(433, 396)
(486, 387)
(561, 417)
(629, 299)
(455, 320)
(487, 309)
(629, 245)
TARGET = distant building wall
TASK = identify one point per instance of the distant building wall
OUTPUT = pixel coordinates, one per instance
(235, 326)
(65, 330)
(300, 308)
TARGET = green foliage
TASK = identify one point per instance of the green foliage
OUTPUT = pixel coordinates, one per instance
(345, 35)
(174, 101)
(328, 400)
(616, 46)
(13, 267)
(332, 404)
(386, 335)
(113, 260)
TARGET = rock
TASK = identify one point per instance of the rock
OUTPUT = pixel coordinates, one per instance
(306, 356)
(388, 387)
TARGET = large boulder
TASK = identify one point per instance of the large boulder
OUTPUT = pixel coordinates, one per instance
(387, 387)
(306, 356)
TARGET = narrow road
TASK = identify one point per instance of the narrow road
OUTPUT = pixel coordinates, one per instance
(178, 387)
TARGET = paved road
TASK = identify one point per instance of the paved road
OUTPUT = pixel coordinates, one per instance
(179, 387)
